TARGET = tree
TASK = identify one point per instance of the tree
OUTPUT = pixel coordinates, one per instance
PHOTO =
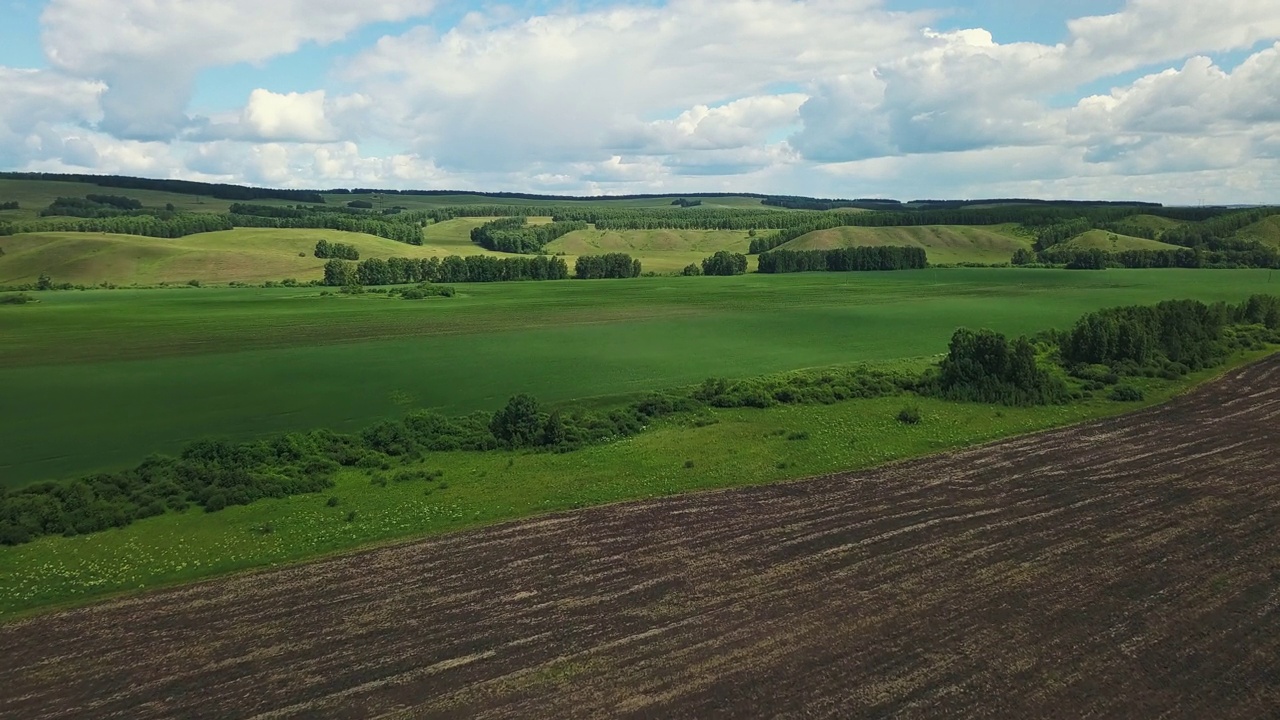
(691, 269)
(1023, 256)
(725, 263)
(519, 424)
(44, 283)
(554, 433)
(339, 273)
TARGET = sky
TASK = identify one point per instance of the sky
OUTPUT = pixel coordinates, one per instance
(1158, 100)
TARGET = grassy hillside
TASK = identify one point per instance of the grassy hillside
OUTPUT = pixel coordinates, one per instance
(944, 244)
(662, 251)
(100, 379)
(243, 254)
(428, 202)
(1113, 242)
(1152, 222)
(34, 195)
(1267, 231)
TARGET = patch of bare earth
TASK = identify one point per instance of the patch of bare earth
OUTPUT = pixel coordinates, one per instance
(1125, 568)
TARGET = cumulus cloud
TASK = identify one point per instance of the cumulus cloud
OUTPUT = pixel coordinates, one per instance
(822, 97)
(148, 52)
(579, 87)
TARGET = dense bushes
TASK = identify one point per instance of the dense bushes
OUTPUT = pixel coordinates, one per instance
(426, 290)
(843, 259)
(725, 263)
(983, 366)
(609, 265)
(341, 251)
(11, 205)
(515, 235)
(175, 226)
(452, 269)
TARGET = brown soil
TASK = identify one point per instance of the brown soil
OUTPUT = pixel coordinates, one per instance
(1125, 568)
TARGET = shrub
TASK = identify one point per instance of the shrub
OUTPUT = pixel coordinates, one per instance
(802, 435)
(909, 415)
(691, 270)
(333, 501)
(351, 516)
(1127, 393)
(688, 464)
(19, 299)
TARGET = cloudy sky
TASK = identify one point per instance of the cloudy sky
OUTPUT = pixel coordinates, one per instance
(1168, 100)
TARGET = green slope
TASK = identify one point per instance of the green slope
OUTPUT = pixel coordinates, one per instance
(944, 244)
(1113, 242)
(1266, 231)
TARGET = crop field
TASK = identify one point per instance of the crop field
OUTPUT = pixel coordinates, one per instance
(944, 244)
(100, 379)
(1123, 568)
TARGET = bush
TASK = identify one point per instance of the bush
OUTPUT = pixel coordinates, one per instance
(691, 270)
(18, 299)
(909, 415)
(351, 516)
(1126, 393)
(333, 501)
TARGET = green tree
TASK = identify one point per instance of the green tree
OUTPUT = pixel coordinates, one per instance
(519, 424)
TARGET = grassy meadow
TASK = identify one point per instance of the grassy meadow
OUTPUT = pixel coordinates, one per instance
(944, 244)
(100, 379)
(738, 447)
(1114, 242)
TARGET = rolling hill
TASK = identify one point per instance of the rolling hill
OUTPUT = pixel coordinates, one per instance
(944, 244)
(1113, 242)
(1266, 231)
(243, 254)
(662, 251)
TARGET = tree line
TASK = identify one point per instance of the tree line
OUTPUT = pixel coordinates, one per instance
(336, 250)
(1252, 255)
(179, 187)
(607, 266)
(177, 226)
(515, 235)
(852, 259)
(10, 205)
(452, 269)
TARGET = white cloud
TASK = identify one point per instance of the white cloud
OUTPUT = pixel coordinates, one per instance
(822, 97)
(149, 51)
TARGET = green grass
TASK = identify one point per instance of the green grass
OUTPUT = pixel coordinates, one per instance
(661, 251)
(1113, 242)
(429, 202)
(1266, 231)
(744, 447)
(943, 244)
(99, 379)
(240, 255)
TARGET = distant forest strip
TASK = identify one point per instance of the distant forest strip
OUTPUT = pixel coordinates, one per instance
(853, 259)
(1103, 348)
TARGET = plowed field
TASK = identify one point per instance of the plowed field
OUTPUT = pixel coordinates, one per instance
(1125, 568)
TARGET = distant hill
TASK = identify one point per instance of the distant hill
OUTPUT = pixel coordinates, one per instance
(1267, 231)
(943, 244)
(1114, 242)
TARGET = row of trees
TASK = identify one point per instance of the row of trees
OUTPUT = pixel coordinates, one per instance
(179, 225)
(515, 235)
(1253, 255)
(607, 266)
(337, 250)
(452, 269)
(853, 259)
(725, 263)
(10, 205)
(407, 233)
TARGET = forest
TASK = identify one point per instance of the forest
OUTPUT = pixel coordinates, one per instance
(851, 259)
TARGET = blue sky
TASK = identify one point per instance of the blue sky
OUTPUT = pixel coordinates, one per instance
(1145, 99)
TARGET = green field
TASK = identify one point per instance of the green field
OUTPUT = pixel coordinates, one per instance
(943, 244)
(1114, 242)
(100, 379)
(741, 447)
